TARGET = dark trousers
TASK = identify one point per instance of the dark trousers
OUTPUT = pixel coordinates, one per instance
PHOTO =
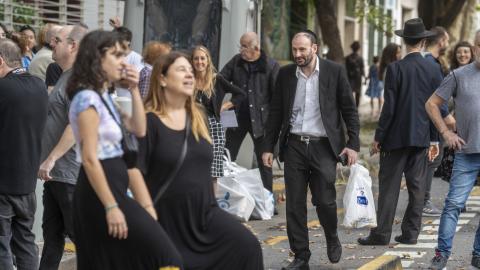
(309, 165)
(16, 237)
(413, 162)
(235, 137)
(432, 167)
(57, 222)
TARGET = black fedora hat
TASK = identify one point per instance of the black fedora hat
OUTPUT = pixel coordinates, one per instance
(414, 28)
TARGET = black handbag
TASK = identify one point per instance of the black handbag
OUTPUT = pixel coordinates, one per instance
(179, 163)
(129, 141)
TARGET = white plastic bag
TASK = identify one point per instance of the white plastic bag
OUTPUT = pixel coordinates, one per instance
(234, 198)
(264, 203)
(230, 167)
(358, 199)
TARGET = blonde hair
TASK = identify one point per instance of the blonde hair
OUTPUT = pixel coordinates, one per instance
(210, 77)
(156, 101)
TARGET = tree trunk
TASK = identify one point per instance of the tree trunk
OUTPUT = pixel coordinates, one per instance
(439, 12)
(327, 20)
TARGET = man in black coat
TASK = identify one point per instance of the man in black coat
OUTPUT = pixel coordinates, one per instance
(254, 72)
(403, 137)
(313, 100)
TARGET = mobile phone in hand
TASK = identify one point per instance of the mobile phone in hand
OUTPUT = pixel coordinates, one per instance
(343, 159)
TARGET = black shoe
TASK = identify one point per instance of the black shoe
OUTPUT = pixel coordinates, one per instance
(404, 240)
(297, 264)
(275, 211)
(372, 241)
(476, 261)
(334, 249)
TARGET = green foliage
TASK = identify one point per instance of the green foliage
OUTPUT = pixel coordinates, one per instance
(23, 13)
(375, 16)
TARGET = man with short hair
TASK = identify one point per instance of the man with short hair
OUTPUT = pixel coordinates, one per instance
(403, 137)
(132, 58)
(23, 112)
(436, 46)
(59, 168)
(311, 104)
(43, 58)
(462, 85)
(355, 71)
(254, 72)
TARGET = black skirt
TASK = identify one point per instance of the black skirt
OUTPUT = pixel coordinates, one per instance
(146, 247)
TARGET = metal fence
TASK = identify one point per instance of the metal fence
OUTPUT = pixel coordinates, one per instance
(95, 13)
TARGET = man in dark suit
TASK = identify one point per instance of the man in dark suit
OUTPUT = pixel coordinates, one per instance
(312, 101)
(403, 137)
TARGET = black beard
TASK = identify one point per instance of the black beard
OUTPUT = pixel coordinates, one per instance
(308, 60)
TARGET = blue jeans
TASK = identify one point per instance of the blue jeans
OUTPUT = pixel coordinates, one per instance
(464, 176)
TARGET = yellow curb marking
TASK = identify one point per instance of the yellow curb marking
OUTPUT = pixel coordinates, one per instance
(273, 240)
(382, 261)
(475, 191)
(69, 247)
(278, 187)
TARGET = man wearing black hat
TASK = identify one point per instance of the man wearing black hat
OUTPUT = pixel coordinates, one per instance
(312, 102)
(403, 137)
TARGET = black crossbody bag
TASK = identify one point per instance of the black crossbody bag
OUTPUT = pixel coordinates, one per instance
(179, 163)
(129, 141)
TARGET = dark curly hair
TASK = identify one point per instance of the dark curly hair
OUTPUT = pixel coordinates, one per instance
(453, 54)
(87, 71)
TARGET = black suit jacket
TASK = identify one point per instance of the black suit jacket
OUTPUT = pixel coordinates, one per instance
(404, 121)
(336, 106)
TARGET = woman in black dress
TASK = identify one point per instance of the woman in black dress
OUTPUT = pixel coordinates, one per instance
(113, 231)
(210, 91)
(206, 236)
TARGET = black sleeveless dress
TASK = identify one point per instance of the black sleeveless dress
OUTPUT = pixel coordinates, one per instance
(206, 236)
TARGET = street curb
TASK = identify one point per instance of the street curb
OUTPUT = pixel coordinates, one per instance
(384, 262)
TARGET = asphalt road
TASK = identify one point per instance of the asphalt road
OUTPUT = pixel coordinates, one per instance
(272, 234)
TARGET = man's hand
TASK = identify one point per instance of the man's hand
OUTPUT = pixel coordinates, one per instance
(351, 155)
(433, 152)
(374, 148)
(45, 168)
(453, 140)
(267, 159)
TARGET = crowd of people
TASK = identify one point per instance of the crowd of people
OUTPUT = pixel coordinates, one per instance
(130, 146)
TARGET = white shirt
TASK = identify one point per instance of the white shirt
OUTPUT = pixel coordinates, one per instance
(306, 117)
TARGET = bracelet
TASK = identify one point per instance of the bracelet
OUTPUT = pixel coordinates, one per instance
(110, 207)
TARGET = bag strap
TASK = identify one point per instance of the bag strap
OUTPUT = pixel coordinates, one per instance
(110, 111)
(179, 163)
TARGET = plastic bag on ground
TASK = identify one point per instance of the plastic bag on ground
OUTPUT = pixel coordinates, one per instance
(264, 202)
(358, 199)
(234, 198)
